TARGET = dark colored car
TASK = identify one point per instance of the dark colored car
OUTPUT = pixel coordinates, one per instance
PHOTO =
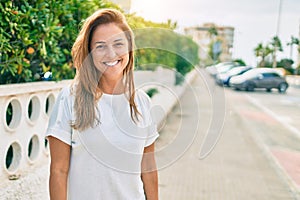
(259, 78)
(223, 78)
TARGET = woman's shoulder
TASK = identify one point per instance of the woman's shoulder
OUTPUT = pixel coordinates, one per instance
(67, 92)
(142, 97)
(142, 94)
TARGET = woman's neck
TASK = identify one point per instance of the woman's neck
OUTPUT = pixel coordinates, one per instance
(110, 86)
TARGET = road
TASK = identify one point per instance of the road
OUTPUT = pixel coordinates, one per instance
(255, 154)
(283, 107)
(274, 118)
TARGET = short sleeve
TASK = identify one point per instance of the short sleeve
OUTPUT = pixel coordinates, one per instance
(152, 136)
(145, 106)
(61, 116)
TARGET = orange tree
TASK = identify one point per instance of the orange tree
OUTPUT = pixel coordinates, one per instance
(36, 36)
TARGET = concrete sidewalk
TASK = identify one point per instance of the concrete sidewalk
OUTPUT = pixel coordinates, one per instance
(236, 169)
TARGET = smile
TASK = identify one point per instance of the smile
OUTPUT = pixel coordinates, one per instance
(111, 64)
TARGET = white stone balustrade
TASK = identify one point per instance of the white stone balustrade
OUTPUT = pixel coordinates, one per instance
(25, 110)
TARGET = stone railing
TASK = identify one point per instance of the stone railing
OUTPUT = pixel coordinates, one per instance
(25, 110)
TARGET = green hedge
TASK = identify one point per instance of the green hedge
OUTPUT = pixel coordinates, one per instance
(37, 36)
(164, 47)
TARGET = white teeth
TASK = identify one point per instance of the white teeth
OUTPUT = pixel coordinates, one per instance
(111, 63)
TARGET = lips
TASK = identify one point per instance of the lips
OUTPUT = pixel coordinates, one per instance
(111, 64)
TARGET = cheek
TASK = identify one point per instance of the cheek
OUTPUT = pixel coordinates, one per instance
(125, 59)
(96, 57)
(97, 63)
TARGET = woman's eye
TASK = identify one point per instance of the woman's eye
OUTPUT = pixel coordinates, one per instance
(119, 44)
(100, 47)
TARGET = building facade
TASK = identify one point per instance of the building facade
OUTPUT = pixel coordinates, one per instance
(212, 38)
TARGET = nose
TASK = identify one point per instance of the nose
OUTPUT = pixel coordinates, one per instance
(111, 53)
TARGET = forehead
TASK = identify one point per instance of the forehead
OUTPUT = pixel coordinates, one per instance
(108, 32)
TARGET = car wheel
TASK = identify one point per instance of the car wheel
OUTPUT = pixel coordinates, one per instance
(250, 87)
(282, 87)
(269, 89)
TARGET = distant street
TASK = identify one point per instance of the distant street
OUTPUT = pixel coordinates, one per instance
(283, 107)
(274, 119)
(256, 157)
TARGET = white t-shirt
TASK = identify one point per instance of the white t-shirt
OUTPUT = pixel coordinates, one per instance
(106, 159)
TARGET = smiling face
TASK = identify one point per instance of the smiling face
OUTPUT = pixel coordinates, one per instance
(109, 49)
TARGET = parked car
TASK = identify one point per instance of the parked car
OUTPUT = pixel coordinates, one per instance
(220, 67)
(223, 78)
(267, 78)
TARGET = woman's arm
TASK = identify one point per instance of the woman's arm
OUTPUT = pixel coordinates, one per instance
(149, 173)
(59, 168)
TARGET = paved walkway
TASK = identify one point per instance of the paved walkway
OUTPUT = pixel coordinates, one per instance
(236, 169)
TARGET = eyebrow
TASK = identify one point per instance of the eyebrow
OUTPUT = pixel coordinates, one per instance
(100, 42)
(116, 40)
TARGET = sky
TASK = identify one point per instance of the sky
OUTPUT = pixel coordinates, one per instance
(255, 21)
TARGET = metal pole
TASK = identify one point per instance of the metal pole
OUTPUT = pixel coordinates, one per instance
(278, 18)
(277, 33)
(298, 53)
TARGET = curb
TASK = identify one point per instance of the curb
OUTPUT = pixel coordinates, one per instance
(168, 97)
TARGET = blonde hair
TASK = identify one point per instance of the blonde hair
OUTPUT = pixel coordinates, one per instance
(86, 82)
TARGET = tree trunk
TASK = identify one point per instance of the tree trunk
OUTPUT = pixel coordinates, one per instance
(274, 60)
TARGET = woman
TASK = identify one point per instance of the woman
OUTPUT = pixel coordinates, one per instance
(100, 132)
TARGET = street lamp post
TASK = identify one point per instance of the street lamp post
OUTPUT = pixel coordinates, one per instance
(298, 57)
(278, 18)
(277, 33)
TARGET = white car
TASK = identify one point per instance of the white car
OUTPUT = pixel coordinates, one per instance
(220, 67)
(223, 78)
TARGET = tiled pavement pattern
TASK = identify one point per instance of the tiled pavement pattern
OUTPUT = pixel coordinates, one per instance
(237, 168)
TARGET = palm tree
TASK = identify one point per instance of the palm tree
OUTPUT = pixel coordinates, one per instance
(294, 41)
(172, 25)
(275, 46)
(262, 51)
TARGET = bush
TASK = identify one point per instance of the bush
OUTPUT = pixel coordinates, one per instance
(286, 63)
(164, 47)
(37, 37)
(151, 92)
(240, 62)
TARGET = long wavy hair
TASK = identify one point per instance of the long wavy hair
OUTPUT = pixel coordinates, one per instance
(86, 82)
